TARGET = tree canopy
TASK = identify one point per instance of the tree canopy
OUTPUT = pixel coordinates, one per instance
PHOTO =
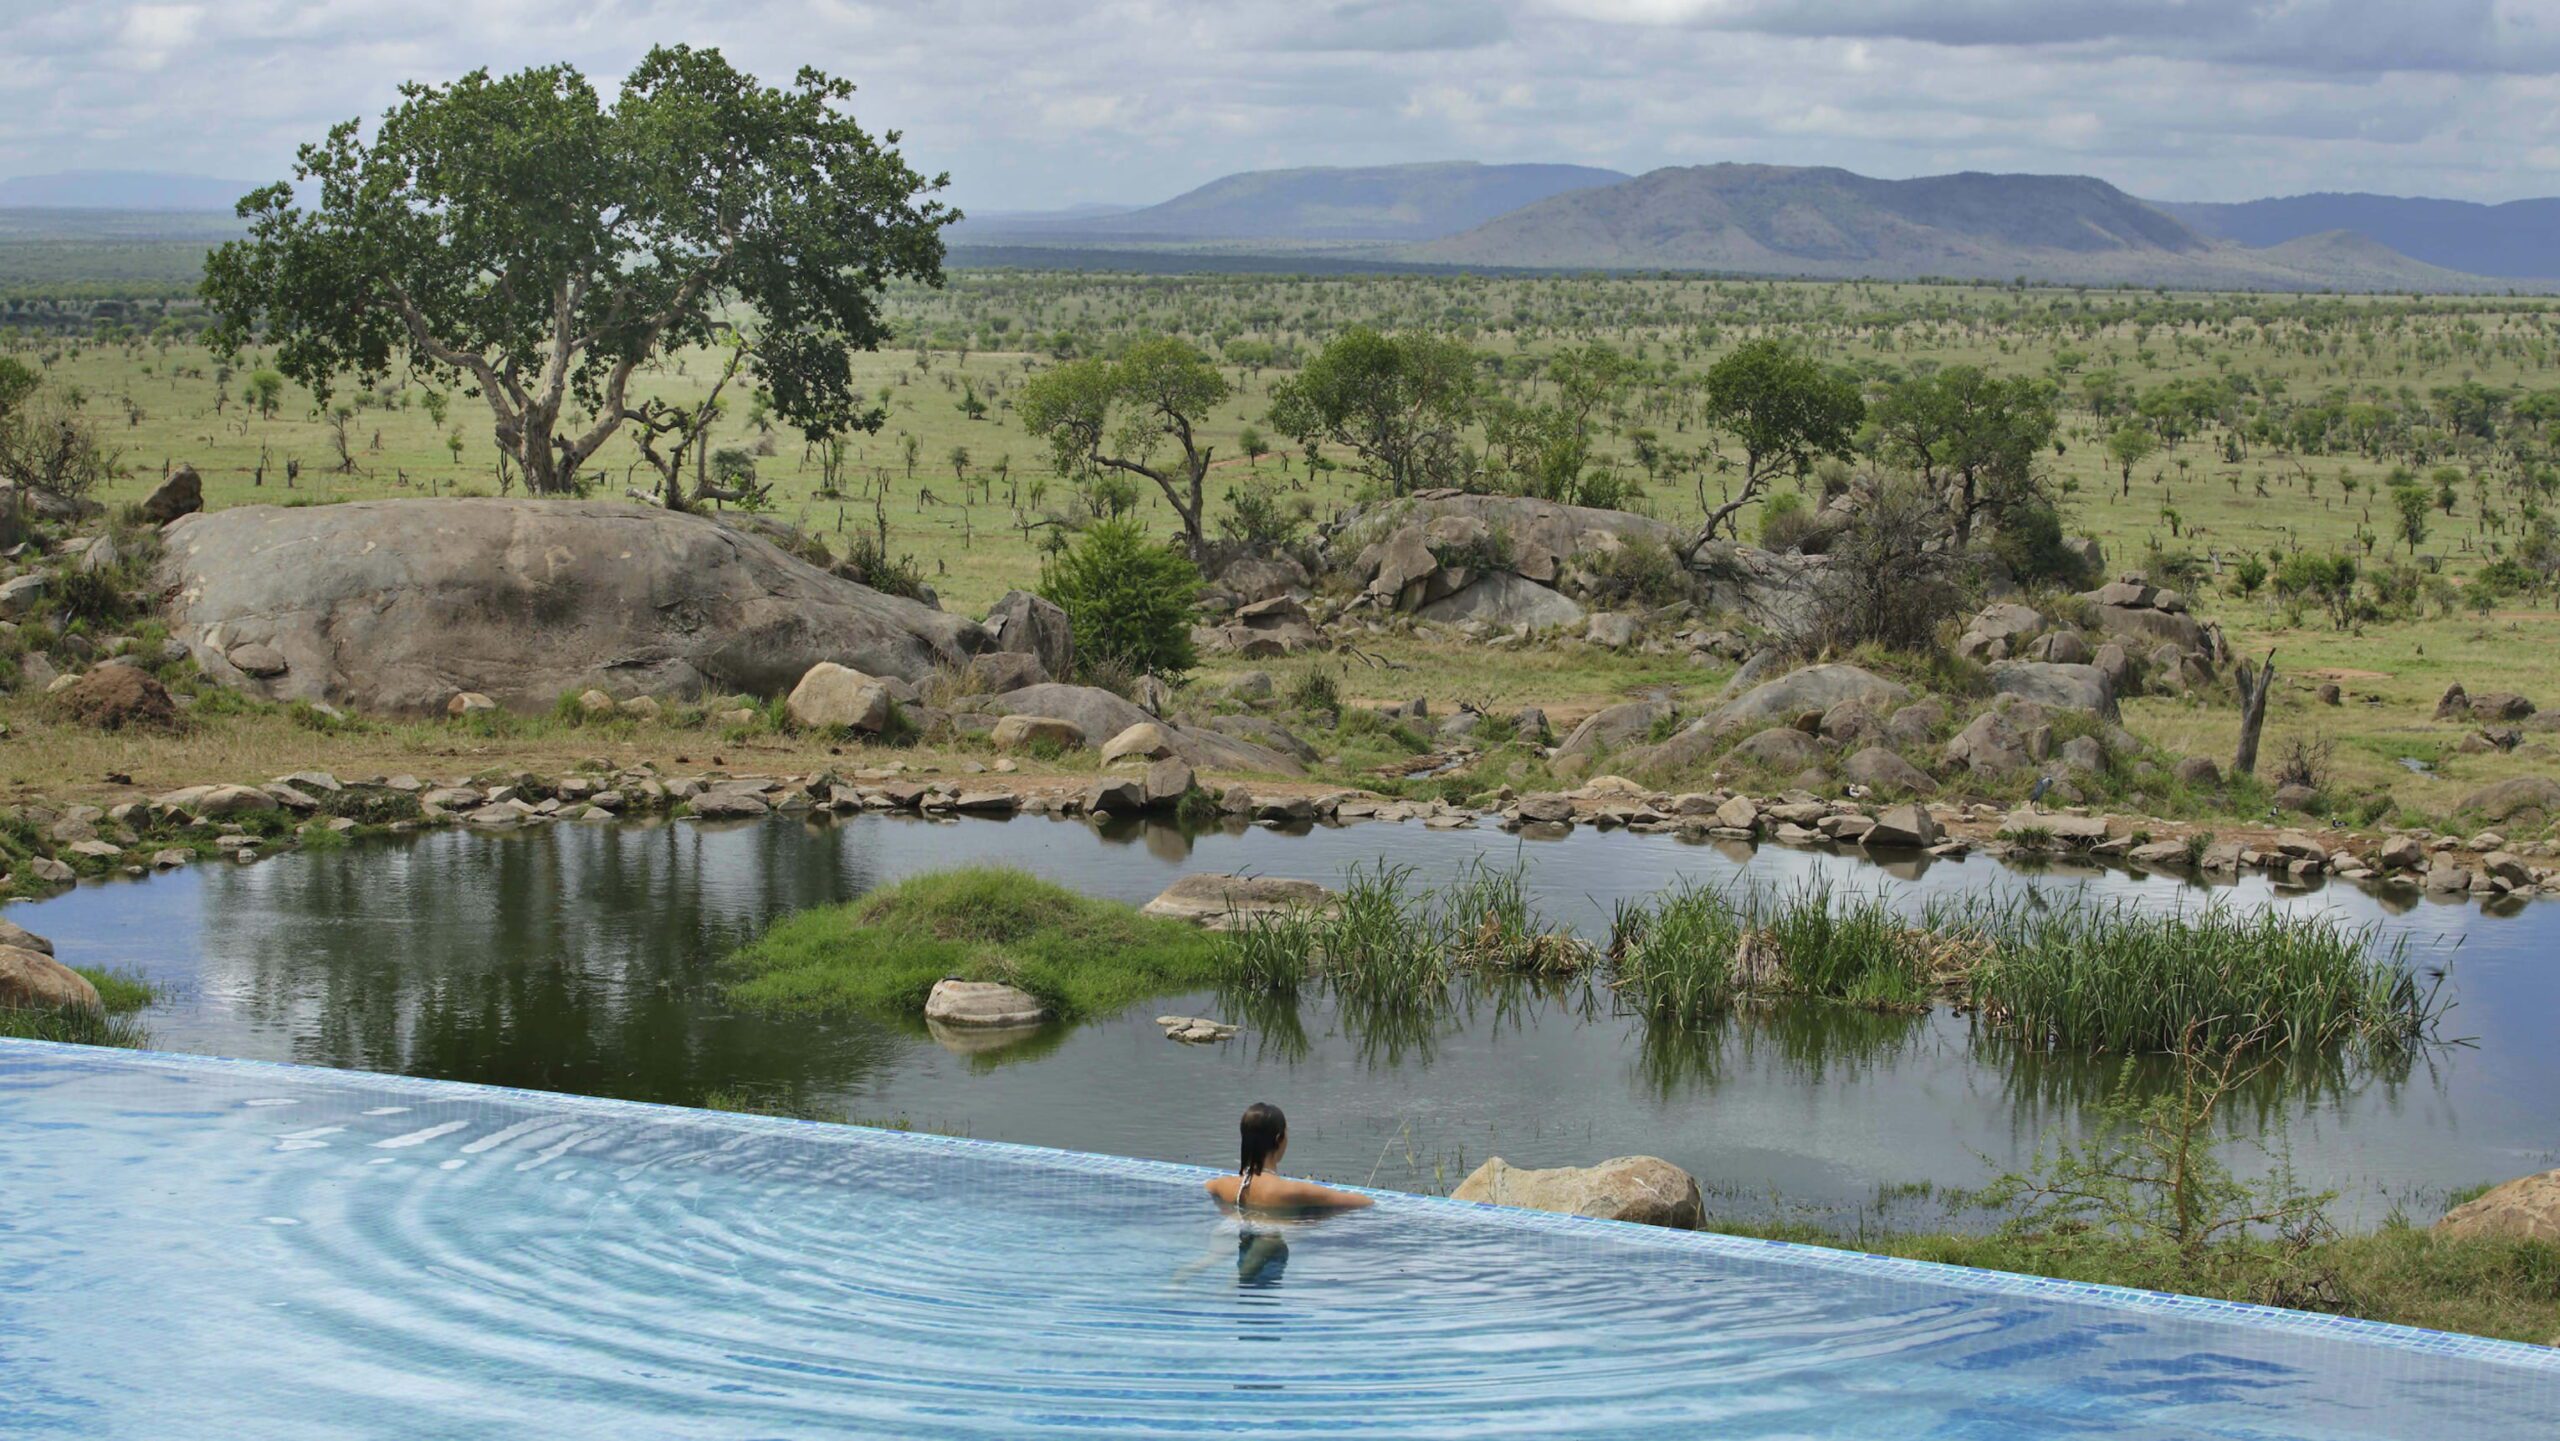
(1399, 403)
(518, 238)
(1102, 415)
(1785, 409)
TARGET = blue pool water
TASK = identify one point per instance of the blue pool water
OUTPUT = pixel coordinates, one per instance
(218, 1248)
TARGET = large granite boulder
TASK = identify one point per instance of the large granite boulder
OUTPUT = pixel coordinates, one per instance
(2522, 800)
(1504, 600)
(1613, 727)
(2524, 1209)
(1643, 1189)
(1814, 690)
(2057, 686)
(1778, 591)
(396, 605)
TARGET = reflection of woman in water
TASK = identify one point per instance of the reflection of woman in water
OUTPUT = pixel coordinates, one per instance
(1257, 1187)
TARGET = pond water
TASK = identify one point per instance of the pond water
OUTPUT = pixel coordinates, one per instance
(579, 958)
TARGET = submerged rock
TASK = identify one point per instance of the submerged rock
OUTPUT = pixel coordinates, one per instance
(1220, 902)
(1644, 1189)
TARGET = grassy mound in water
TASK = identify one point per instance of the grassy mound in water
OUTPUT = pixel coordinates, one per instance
(881, 954)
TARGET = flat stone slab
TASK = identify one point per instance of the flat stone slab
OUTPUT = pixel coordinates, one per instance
(1220, 901)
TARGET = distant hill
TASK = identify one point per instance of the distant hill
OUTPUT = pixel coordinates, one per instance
(121, 190)
(2520, 238)
(1821, 222)
(1366, 203)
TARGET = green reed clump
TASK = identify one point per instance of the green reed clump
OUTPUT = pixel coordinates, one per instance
(1860, 951)
(1487, 922)
(1675, 954)
(2117, 979)
(1378, 939)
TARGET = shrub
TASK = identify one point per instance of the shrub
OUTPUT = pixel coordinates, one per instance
(1127, 598)
(1784, 521)
(1889, 582)
(1260, 520)
(2030, 543)
(868, 561)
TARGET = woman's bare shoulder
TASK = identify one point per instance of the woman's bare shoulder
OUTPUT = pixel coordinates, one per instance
(1308, 1195)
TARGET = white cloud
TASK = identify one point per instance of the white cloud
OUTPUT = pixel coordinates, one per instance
(1029, 102)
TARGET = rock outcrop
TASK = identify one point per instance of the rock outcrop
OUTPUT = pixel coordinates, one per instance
(396, 605)
(2524, 1209)
(1644, 1189)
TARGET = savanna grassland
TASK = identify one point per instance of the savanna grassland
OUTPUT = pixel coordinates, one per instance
(2201, 437)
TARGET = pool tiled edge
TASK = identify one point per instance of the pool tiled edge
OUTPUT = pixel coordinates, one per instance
(1963, 1278)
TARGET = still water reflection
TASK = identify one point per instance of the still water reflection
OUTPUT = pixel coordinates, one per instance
(578, 958)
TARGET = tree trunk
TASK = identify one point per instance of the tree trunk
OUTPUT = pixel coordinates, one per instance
(2253, 712)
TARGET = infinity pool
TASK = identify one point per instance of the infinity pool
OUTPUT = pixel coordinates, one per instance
(218, 1248)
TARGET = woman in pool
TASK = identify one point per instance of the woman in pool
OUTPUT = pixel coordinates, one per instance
(1256, 1185)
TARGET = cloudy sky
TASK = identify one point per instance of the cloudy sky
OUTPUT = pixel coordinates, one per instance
(1039, 103)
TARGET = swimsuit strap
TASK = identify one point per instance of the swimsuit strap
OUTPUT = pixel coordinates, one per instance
(1242, 1186)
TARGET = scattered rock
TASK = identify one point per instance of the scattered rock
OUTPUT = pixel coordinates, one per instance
(831, 697)
(17, 937)
(1167, 782)
(1643, 1189)
(468, 702)
(1905, 826)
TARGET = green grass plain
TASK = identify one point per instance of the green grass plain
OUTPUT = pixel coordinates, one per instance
(965, 494)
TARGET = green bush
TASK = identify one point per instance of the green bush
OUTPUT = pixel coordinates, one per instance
(1127, 598)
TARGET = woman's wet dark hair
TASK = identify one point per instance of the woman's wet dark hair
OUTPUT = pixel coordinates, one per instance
(1263, 1129)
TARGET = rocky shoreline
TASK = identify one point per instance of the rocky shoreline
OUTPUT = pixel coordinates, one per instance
(247, 822)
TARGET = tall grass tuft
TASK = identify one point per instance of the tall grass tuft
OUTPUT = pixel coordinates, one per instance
(2117, 979)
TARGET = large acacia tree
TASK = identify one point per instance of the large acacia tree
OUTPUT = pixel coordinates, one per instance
(519, 238)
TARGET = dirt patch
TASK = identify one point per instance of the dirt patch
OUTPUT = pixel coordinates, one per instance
(2345, 672)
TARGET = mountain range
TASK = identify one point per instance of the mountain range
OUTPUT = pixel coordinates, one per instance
(1827, 223)
(1771, 220)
